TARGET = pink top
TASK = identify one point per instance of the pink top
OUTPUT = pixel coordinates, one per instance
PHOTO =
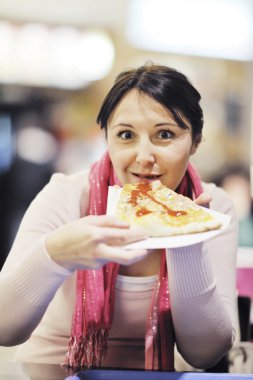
(37, 295)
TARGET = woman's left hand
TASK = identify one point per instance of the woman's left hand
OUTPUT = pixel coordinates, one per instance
(203, 199)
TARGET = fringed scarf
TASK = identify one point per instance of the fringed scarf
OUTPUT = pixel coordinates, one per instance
(93, 313)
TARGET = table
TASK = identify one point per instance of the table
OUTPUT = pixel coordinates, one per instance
(25, 371)
(154, 375)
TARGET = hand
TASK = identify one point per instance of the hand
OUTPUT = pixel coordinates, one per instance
(92, 241)
(203, 199)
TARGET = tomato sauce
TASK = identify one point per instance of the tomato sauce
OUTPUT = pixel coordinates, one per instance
(142, 191)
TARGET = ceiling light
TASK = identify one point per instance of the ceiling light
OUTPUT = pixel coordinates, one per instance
(64, 57)
(210, 28)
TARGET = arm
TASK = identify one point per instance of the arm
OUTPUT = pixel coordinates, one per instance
(203, 296)
(52, 242)
(26, 291)
(30, 278)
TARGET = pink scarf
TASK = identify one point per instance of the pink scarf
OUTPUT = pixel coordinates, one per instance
(93, 313)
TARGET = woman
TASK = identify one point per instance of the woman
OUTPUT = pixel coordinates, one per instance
(124, 299)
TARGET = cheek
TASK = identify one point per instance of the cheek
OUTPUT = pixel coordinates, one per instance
(118, 156)
(176, 155)
(182, 149)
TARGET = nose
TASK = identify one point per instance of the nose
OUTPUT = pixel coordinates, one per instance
(145, 153)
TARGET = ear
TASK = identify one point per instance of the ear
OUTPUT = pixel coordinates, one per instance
(195, 145)
(104, 133)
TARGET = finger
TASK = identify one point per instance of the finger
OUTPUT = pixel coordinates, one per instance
(117, 237)
(203, 199)
(119, 255)
(105, 221)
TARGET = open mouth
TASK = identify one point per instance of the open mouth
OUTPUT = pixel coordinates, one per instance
(146, 177)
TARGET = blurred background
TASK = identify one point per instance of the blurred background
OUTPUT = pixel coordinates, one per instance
(58, 58)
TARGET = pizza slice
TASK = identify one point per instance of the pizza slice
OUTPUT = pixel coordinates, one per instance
(161, 211)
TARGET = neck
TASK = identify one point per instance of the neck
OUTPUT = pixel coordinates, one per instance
(149, 266)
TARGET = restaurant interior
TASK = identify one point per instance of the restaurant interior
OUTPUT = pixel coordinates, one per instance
(58, 58)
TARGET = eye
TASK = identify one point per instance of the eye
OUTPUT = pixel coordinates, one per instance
(125, 135)
(165, 134)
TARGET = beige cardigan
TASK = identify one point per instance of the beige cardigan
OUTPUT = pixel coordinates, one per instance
(37, 295)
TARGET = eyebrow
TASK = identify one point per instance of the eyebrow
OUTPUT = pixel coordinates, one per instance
(122, 125)
(166, 123)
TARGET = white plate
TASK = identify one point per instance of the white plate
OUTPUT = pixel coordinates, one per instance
(170, 241)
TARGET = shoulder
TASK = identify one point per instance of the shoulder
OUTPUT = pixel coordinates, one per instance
(78, 180)
(66, 192)
(78, 185)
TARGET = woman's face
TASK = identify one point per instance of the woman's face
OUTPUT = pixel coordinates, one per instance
(145, 143)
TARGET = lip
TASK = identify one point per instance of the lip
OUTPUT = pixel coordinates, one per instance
(147, 177)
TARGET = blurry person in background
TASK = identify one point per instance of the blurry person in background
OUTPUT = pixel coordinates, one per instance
(235, 180)
(30, 169)
(129, 307)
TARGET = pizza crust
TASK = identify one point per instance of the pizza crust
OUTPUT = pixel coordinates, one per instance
(161, 211)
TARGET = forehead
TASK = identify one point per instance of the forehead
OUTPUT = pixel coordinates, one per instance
(136, 103)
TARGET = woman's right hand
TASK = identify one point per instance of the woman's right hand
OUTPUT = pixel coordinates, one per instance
(92, 241)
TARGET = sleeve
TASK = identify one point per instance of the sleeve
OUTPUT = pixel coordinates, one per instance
(202, 281)
(30, 278)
